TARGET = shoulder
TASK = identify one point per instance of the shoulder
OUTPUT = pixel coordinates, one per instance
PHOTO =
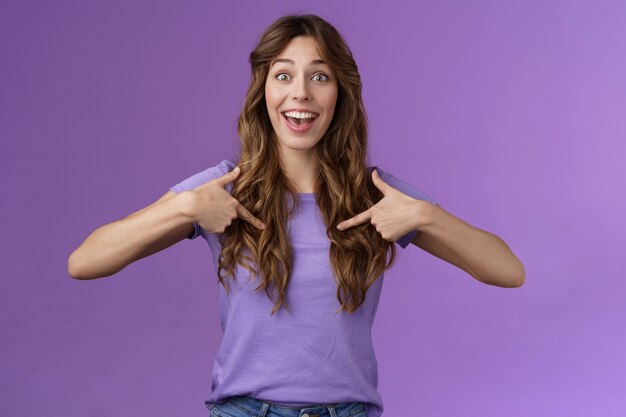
(197, 179)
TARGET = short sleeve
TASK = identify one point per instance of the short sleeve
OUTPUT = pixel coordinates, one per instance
(409, 190)
(200, 178)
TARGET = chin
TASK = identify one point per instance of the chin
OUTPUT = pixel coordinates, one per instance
(300, 148)
(299, 144)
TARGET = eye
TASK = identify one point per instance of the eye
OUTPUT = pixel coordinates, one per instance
(324, 77)
(278, 76)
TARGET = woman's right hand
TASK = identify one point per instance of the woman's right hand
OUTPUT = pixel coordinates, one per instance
(215, 208)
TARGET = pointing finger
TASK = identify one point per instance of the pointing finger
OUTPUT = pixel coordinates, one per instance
(249, 217)
(355, 221)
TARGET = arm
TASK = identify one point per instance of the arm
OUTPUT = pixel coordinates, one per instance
(167, 221)
(112, 247)
(481, 254)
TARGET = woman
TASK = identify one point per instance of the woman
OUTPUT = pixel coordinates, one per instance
(301, 230)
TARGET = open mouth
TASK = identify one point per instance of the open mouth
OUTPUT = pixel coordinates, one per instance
(299, 121)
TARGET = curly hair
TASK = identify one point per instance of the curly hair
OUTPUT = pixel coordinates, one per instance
(359, 255)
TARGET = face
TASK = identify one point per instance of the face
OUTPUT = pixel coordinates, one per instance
(300, 93)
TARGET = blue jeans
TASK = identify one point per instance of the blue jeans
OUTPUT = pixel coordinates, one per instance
(243, 406)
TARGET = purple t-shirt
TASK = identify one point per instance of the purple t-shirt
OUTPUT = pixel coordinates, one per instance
(310, 355)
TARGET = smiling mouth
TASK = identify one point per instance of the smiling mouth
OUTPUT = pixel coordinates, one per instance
(297, 121)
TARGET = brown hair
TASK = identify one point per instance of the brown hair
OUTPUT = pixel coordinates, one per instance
(358, 256)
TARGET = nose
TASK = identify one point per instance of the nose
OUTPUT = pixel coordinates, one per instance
(301, 90)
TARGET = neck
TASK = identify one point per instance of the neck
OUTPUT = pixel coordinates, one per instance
(302, 168)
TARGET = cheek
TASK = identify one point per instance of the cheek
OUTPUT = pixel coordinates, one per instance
(330, 102)
(268, 98)
(271, 103)
(273, 92)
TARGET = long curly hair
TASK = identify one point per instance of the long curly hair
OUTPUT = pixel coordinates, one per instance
(359, 255)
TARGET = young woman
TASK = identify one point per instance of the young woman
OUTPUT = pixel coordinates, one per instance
(301, 230)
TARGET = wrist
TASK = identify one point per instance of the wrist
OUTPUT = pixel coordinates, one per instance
(186, 202)
(426, 215)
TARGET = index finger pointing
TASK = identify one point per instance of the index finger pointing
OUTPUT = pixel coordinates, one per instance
(249, 217)
(355, 221)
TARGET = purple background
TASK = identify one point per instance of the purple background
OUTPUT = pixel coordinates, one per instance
(511, 114)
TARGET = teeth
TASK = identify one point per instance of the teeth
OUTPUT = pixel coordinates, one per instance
(299, 115)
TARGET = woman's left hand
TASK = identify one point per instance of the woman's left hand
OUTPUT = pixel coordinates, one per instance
(395, 215)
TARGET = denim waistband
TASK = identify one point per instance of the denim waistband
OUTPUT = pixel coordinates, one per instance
(260, 408)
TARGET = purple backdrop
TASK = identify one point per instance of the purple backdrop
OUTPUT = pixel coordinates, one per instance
(510, 114)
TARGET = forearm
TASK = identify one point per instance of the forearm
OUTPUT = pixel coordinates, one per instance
(113, 246)
(484, 255)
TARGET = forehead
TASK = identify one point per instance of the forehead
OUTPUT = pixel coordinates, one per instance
(301, 50)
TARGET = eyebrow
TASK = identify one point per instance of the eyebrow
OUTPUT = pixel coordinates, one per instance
(289, 61)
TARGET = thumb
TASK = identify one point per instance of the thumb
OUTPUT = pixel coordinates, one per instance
(229, 177)
(378, 182)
